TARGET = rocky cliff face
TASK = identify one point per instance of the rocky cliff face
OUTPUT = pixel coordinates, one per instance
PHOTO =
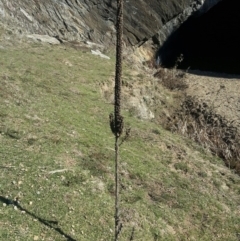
(211, 25)
(93, 19)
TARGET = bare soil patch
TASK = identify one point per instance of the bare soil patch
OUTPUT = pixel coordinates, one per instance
(220, 91)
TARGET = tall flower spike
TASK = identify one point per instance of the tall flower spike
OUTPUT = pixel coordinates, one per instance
(119, 126)
(112, 123)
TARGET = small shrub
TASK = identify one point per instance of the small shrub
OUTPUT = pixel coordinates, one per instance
(172, 79)
(202, 174)
(181, 166)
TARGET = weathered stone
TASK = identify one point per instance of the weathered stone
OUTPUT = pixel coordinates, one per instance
(90, 20)
(147, 23)
(44, 38)
(97, 52)
(94, 45)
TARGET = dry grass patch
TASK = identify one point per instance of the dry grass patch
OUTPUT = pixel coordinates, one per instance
(199, 122)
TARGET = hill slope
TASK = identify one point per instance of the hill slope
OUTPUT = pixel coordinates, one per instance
(56, 159)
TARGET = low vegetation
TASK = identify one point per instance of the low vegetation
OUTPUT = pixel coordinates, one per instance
(195, 118)
(202, 124)
(57, 160)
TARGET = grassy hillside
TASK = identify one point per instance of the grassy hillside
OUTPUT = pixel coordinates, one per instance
(56, 160)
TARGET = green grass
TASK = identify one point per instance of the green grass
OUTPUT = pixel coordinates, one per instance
(56, 156)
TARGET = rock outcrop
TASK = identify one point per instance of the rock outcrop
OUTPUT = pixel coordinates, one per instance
(208, 39)
(92, 19)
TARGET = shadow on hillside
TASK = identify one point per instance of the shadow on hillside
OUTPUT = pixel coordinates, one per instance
(50, 223)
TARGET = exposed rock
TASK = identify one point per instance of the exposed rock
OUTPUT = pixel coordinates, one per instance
(206, 5)
(93, 20)
(97, 52)
(94, 45)
(44, 38)
(146, 22)
(140, 109)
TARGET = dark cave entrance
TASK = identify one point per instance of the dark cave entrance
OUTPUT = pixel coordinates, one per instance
(210, 42)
